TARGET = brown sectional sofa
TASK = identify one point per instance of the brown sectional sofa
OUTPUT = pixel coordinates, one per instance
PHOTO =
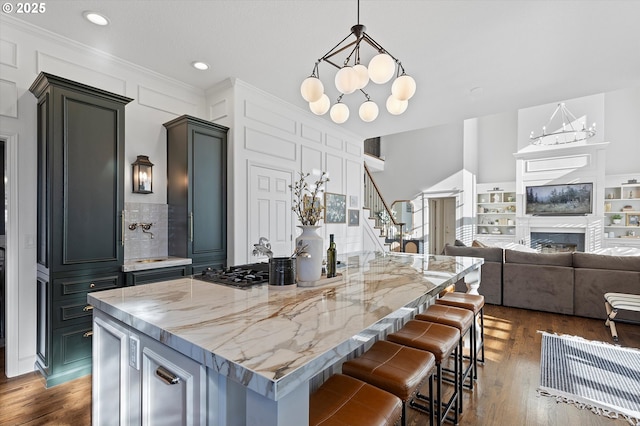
(565, 283)
(539, 281)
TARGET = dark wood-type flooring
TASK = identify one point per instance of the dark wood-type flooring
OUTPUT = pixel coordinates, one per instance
(505, 393)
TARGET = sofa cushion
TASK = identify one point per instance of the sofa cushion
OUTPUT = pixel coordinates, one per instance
(550, 259)
(603, 261)
(489, 254)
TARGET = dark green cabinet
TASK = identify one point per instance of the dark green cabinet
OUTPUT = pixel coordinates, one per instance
(158, 274)
(80, 202)
(197, 191)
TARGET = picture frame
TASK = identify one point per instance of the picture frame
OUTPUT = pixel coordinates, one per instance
(354, 217)
(353, 201)
(335, 208)
(633, 220)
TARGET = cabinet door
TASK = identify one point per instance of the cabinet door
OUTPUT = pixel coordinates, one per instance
(89, 149)
(111, 374)
(173, 387)
(208, 234)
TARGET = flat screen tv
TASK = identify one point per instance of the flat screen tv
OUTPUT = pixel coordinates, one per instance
(559, 200)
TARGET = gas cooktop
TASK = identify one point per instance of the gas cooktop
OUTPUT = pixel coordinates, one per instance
(242, 276)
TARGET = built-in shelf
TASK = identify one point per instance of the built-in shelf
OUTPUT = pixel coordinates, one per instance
(495, 211)
(622, 200)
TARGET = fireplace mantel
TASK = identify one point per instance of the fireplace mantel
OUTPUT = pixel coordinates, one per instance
(562, 164)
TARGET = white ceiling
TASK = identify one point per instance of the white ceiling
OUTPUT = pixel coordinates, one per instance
(521, 53)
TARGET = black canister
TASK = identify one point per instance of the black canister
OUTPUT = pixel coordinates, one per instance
(282, 271)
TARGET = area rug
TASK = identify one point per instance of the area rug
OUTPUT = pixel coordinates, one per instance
(598, 376)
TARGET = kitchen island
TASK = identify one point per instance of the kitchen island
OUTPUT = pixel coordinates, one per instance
(193, 352)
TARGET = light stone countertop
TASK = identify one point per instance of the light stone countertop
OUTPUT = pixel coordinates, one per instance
(154, 263)
(272, 339)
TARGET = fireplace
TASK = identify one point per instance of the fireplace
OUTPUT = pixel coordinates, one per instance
(555, 242)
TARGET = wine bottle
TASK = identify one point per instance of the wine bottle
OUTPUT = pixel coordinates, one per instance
(331, 258)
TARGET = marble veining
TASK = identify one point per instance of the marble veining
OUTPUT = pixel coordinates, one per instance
(273, 339)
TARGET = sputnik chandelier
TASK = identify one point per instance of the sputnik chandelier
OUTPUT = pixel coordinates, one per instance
(353, 76)
(566, 133)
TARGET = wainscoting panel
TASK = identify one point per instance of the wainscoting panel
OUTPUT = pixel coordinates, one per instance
(8, 99)
(75, 72)
(218, 110)
(354, 149)
(311, 158)
(8, 53)
(161, 101)
(558, 163)
(269, 144)
(334, 142)
(311, 134)
(334, 166)
(263, 115)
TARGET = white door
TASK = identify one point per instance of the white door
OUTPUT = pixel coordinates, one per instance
(270, 210)
(442, 223)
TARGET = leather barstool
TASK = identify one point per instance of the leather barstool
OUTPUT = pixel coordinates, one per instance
(474, 303)
(442, 341)
(462, 319)
(398, 369)
(344, 400)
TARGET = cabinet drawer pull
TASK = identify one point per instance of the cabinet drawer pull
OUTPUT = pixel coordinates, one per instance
(88, 334)
(92, 285)
(167, 376)
(191, 226)
(88, 308)
(122, 228)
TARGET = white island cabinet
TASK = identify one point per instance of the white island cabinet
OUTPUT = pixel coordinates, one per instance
(156, 384)
(190, 352)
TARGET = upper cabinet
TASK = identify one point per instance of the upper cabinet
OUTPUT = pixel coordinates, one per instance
(197, 191)
(80, 244)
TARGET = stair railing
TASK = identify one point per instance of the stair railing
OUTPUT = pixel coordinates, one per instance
(381, 213)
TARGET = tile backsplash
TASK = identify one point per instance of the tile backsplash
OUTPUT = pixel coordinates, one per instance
(138, 244)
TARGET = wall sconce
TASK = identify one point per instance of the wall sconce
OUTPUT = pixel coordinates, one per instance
(142, 175)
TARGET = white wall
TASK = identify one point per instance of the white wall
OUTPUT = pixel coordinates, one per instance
(417, 160)
(497, 144)
(268, 132)
(25, 51)
(622, 116)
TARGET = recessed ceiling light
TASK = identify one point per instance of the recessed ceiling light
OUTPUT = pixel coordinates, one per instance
(200, 65)
(96, 18)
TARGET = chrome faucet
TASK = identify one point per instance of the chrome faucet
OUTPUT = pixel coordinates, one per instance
(263, 248)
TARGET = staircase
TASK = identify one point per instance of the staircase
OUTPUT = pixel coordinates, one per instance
(382, 231)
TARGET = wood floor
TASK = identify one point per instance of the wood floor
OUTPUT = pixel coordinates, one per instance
(505, 393)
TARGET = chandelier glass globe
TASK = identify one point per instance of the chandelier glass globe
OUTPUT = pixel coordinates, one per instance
(368, 111)
(311, 89)
(381, 68)
(396, 106)
(339, 113)
(363, 76)
(346, 80)
(403, 87)
(321, 106)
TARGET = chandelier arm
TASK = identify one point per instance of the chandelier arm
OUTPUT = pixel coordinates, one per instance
(553, 115)
(570, 117)
(378, 46)
(333, 50)
(332, 63)
(348, 58)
